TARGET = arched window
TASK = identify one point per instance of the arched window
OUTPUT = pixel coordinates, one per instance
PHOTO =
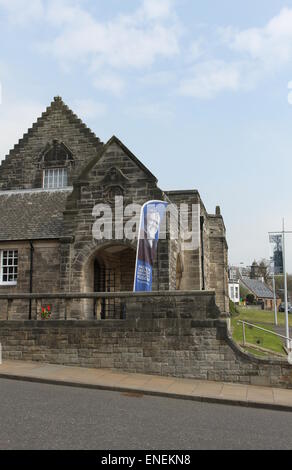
(54, 162)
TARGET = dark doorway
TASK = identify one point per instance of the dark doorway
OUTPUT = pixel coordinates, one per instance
(99, 286)
(105, 281)
(114, 268)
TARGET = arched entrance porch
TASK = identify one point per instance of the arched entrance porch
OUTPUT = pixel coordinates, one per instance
(111, 268)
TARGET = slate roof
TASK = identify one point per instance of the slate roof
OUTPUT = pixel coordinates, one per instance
(32, 214)
(258, 288)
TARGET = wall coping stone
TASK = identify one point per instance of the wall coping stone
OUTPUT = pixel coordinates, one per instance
(94, 295)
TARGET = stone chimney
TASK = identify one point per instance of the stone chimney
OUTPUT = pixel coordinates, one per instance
(218, 210)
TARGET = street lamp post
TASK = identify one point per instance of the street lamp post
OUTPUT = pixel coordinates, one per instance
(283, 233)
(285, 289)
(275, 300)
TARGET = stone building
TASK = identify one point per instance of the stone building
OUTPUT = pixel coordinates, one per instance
(262, 293)
(49, 184)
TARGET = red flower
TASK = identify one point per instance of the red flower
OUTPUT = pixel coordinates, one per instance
(43, 309)
(48, 308)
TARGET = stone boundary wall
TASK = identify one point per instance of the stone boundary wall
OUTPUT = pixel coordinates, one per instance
(180, 336)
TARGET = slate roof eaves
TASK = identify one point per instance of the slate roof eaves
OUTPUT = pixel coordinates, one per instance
(32, 215)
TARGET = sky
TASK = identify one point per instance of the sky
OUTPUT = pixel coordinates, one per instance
(200, 91)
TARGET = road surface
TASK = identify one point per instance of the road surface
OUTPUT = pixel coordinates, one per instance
(40, 416)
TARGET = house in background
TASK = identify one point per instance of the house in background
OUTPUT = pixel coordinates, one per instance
(234, 292)
(262, 293)
(233, 284)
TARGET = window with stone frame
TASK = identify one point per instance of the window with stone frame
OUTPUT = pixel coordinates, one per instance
(8, 267)
(54, 178)
(55, 163)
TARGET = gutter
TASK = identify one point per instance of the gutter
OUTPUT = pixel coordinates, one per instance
(202, 252)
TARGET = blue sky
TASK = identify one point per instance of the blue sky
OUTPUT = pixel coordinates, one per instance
(197, 90)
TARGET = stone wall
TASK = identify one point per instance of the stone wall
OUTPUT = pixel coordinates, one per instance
(46, 277)
(207, 266)
(218, 261)
(170, 334)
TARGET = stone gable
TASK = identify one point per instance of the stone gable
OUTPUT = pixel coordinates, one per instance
(58, 126)
(115, 171)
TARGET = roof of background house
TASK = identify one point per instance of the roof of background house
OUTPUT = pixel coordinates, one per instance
(258, 288)
(32, 214)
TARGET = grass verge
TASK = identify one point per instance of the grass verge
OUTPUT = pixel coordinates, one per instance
(253, 335)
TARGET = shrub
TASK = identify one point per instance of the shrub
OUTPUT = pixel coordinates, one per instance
(233, 309)
(250, 298)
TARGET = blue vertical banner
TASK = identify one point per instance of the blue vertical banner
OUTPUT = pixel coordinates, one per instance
(152, 215)
(276, 258)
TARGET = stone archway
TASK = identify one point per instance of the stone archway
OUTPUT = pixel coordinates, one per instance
(110, 268)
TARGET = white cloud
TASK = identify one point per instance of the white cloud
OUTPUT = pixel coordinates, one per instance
(195, 50)
(210, 78)
(131, 40)
(157, 9)
(271, 45)
(259, 52)
(104, 49)
(60, 13)
(149, 33)
(109, 82)
(22, 12)
(136, 39)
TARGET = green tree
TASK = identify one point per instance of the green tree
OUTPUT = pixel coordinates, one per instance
(250, 298)
(243, 291)
(260, 269)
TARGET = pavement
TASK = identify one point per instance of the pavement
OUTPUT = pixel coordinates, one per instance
(142, 384)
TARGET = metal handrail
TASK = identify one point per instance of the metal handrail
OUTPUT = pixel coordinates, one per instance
(259, 328)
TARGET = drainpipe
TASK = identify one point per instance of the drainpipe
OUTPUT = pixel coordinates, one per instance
(202, 252)
(30, 275)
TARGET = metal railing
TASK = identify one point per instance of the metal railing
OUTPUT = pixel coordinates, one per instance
(260, 328)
